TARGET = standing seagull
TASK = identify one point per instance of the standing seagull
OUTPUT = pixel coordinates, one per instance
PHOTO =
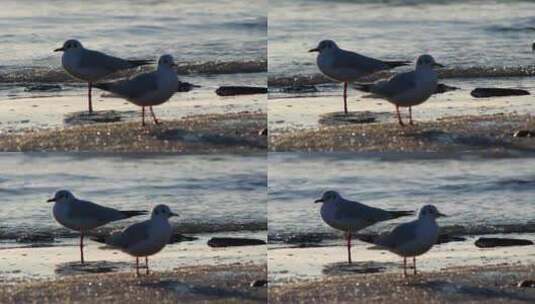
(350, 216)
(407, 89)
(92, 66)
(145, 238)
(83, 216)
(148, 89)
(346, 66)
(413, 238)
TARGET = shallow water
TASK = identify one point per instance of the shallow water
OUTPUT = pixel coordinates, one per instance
(480, 194)
(460, 34)
(205, 38)
(211, 193)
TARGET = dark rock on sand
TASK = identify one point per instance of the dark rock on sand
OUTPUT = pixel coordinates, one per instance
(43, 88)
(497, 92)
(80, 118)
(526, 283)
(501, 242)
(443, 88)
(300, 89)
(228, 242)
(259, 283)
(340, 118)
(445, 238)
(524, 133)
(186, 86)
(177, 238)
(263, 132)
(239, 90)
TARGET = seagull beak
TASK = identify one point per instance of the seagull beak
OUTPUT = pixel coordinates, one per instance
(438, 65)
(318, 201)
(174, 64)
(174, 214)
(533, 47)
(441, 215)
(61, 49)
(314, 50)
(50, 200)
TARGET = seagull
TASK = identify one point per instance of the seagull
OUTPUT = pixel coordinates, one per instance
(407, 89)
(145, 238)
(91, 66)
(350, 216)
(83, 216)
(346, 66)
(148, 89)
(413, 238)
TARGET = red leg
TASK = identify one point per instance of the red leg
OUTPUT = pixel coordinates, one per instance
(154, 116)
(399, 116)
(82, 247)
(143, 116)
(349, 246)
(410, 116)
(414, 264)
(90, 85)
(147, 264)
(137, 267)
(345, 98)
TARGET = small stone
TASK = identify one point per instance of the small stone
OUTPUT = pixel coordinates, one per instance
(524, 133)
(259, 283)
(526, 283)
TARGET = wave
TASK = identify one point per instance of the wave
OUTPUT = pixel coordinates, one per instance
(43, 74)
(457, 72)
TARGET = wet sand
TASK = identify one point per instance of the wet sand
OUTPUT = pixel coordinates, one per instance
(199, 284)
(231, 132)
(463, 285)
(492, 133)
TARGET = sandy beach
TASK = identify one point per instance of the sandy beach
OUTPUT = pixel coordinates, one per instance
(185, 271)
(454, 271)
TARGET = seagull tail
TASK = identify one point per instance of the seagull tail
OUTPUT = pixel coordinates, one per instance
(396, 214)
(131, 213)
(370, 239)
(364, 87)
(395, 64)
(141, 62)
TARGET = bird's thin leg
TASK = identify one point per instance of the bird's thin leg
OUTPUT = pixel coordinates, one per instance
(89, 86)
(349, 246)
(399, 116)
(147, 264)
(414, 264)
(345, 98)
(404, 267)
(82, 247)
(410, 116)
(137, 267)
(142, 116)
(154, 116)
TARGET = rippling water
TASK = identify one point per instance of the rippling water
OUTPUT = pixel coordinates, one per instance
(205, 37)
(209, 192)
(480, 194)
(473, 38)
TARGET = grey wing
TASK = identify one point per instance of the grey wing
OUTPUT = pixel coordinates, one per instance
(137, 86)
(402, 234)
(350, 209)
(86, 209)
(396, 85)
(130, 236)
(93, 59)
(359, 62)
